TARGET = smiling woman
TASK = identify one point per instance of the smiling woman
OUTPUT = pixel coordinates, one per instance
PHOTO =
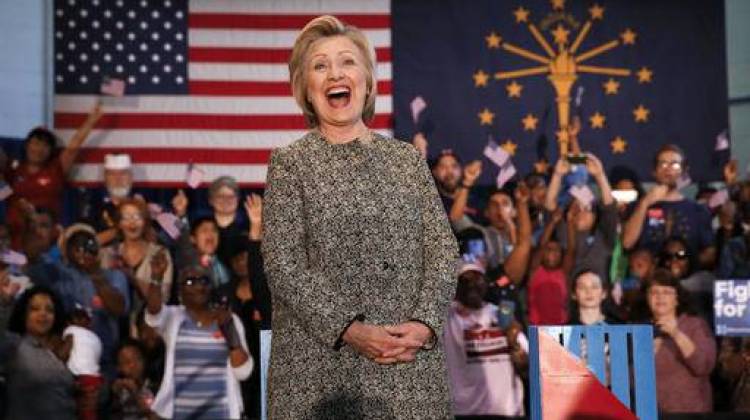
(358, 251)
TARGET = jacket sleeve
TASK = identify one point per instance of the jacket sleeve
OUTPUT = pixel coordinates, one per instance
(439, 253)
(302, 291)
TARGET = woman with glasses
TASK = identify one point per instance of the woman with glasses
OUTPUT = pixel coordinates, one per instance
(681, 262)
(136, 250)
(685, 350)
(206, 352)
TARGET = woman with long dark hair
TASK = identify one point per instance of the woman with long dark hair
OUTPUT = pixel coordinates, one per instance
(39, 385)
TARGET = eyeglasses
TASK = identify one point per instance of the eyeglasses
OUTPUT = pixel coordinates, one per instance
(197, 281)
(679, 255)
(670, 164)
(662, 292)
(135, 217)
(89, 247)
(225, 197)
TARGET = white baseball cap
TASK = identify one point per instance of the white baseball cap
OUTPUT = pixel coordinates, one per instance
(117, 162)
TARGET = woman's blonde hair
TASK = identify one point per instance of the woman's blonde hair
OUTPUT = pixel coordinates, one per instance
(324, 27)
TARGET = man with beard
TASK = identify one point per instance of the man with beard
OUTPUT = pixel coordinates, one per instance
(100, 209)
(455, 189)
(664, 212)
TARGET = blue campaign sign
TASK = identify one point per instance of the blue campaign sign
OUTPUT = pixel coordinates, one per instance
(731, 314)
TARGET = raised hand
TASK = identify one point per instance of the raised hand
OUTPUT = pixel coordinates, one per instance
(159, 265)
(522, 194)
(594, 165)
(180, 203)
(420, 143)
(8, 289)
(562, 167)
(254, 208)
(658, 193)
(472, 171)
(730, 172)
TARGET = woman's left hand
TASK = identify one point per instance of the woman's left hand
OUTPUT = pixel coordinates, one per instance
(413, 330)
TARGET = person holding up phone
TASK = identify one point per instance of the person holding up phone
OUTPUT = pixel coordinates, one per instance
(486, 352)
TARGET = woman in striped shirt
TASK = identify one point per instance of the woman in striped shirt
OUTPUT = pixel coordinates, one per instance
(206, 352)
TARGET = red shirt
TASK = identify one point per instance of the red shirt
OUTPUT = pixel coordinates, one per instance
(42, 189)
(548, 297)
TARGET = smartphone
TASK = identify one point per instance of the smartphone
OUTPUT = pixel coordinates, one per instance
(476, 248)
(625, 196)
(505, 313)
(576, 159)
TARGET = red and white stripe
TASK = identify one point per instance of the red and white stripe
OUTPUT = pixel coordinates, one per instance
(240, 106)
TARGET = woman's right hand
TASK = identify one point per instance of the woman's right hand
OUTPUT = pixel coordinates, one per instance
(180, 203)
(372, 341)
(159, 265)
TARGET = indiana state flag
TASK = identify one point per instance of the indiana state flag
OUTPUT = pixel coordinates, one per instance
(637, 74)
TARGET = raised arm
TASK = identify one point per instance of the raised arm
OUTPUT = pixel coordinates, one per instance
(634, 225)
(596, 170)
(562, 167)
(518, 260)
(472, 171)
(69, 154)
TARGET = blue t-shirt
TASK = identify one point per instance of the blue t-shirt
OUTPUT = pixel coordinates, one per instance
(690, 221)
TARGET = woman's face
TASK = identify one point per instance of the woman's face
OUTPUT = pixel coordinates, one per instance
(40, 315)
(224, 201)
(131, 222)
(195, 291)
(239, 264)
(37, 151)
(589, 292)
(336, 81)
(662, 300)
(206, 238)
(676, 259)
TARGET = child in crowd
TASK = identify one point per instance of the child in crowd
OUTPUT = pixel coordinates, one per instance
(641, 263)
(589, 292)
(85, 353)
(547, 288)
(132, 392)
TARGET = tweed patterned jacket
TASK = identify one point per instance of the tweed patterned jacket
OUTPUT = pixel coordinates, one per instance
(355, 228)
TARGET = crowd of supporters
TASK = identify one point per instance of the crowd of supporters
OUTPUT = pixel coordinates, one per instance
(140, 310)
(578, 246)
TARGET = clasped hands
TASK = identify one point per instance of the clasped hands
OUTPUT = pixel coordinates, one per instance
(388, 344)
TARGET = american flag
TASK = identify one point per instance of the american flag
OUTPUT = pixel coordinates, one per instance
(206, 81)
